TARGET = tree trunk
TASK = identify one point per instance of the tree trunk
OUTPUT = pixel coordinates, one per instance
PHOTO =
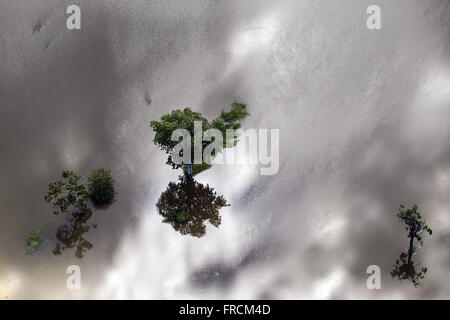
(411, 247)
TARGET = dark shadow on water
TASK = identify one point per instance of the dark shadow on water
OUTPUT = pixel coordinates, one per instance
(188, 205)
(70, 235)
(102, 206)
(404, 269)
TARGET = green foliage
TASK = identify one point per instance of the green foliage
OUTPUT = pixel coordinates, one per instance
(32, 241)
(184, 119)
(197, 168)
(414, 223)
(177, 119)
(101, 187)
(67, 193)
(179, 216)
(230, 120)
(70, 194)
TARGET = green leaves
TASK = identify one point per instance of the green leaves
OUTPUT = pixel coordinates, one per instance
(188, 206)
(197, 168)
(184, 119)
(404, 269)
(230, 119)
(179, 216)
(101, 187)
(414, 223)
(71, 194)
(67, 193)
(32, 241)
(177, 119)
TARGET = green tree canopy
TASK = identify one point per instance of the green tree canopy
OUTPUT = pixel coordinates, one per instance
(67, 193)
(184, 119)
(32, 241)
(230, 120)
(414, 225)
(101, 187)
(188, 205)
(71, 194)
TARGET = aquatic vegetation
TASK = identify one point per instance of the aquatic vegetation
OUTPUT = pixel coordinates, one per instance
(404, 269)
(415, 226)
(179, 216)
(101, 187)
(67, 194)
(32, 241)
(188, 205)
(185, 119)
(72, 234)
(71, 195)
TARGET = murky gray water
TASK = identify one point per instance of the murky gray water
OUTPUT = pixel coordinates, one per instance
(364, 126)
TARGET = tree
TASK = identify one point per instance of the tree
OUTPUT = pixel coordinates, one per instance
(188, 205)
(70, 194)
(32, 241)
(184, 119)
(101, 187)
(415, 226)
(67, 193)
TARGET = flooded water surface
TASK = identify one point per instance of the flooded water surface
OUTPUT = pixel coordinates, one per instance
(363, 118)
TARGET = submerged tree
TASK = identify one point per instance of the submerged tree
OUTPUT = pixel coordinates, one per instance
(67, 194)
(230, 120)
(32, 241)
(101, 187)
(415, 226)
(185, 119)
(404, 269)
(72, 234)
(71, 195)
(188, 205)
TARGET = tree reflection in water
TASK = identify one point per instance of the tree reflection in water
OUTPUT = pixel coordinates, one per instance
(71, 234)
(188, 205)
(404, 269)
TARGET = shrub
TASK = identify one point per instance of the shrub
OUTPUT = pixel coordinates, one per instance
(32, 241)
(67, 193)
(101, 187)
